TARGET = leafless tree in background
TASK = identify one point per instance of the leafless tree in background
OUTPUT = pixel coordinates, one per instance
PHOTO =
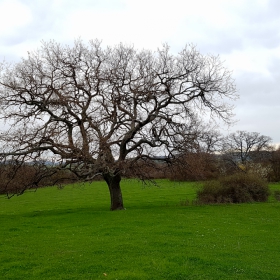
(98, 110)
(242, 147)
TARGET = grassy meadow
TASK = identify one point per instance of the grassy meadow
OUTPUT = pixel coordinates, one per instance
(70, 233)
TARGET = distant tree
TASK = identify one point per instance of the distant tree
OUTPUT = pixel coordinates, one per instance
(242, 147)
(275, 165)
(99, 111)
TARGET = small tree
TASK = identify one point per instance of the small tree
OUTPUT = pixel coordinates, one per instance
(242, 147)
(97, 110)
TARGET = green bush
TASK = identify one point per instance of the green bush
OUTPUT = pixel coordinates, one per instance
(236, 188)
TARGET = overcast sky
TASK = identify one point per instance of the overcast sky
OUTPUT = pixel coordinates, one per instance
(245, 33)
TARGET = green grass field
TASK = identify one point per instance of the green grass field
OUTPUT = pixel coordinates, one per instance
(71, 234)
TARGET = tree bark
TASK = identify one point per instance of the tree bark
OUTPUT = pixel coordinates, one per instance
(113, 182)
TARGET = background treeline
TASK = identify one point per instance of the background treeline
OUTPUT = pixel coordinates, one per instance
(208, 159)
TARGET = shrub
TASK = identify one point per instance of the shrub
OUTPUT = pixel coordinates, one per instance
(15, 179)
(193, 167)
(236, 188)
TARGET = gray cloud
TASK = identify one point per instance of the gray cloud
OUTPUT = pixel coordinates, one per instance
(245, 33)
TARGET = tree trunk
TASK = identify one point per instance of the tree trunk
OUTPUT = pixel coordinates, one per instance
(113, 182)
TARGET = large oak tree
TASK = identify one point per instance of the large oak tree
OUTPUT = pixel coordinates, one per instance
(99, 110)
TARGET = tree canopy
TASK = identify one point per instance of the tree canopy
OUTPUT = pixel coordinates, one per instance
(244, 146)
(99, 110)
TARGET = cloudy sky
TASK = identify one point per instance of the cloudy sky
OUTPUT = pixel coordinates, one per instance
(245, 33)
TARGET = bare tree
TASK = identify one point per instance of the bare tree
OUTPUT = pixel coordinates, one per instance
(242, 147)
(98, 110)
